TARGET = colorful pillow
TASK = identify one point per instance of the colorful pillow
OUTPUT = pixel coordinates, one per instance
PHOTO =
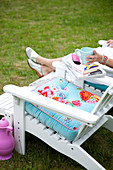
(62, 91)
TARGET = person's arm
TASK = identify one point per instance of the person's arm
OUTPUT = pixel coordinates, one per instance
(109, 63)
(110, 43)
(102, 59)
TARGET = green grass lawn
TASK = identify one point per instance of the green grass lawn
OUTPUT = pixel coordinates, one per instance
(53, 28)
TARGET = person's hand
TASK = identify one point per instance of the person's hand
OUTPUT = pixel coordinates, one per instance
(109, 42)
(94, 58)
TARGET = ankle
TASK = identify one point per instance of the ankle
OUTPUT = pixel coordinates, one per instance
(46, 70)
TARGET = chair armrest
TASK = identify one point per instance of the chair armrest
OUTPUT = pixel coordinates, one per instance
(26, 94)
(106, 80)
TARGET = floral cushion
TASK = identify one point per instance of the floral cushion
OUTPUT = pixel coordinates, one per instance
(65, 92)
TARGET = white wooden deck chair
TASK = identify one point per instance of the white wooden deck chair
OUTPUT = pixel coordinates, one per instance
(91, 122)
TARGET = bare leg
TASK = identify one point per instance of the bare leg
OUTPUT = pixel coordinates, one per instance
(43, 66)
(47, 62)
(46, 70)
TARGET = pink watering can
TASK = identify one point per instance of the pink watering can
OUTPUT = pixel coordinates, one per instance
(6, 140)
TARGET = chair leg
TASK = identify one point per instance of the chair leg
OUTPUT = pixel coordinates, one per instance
(109, 124)
(19, 125)
(75, 152)
(82, 157)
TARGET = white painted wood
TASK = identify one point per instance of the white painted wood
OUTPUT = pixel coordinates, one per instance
(73, 150)
(91, 131)
(101, 80)
(6, 100)
(19, 125)
(6, 107)
(75, 113)
(104, 102)
(44, 79)
(109, 123)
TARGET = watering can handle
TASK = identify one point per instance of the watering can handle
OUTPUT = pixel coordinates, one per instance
(9, 128)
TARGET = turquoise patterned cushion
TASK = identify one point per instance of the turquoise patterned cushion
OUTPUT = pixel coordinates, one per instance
(62, 91)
